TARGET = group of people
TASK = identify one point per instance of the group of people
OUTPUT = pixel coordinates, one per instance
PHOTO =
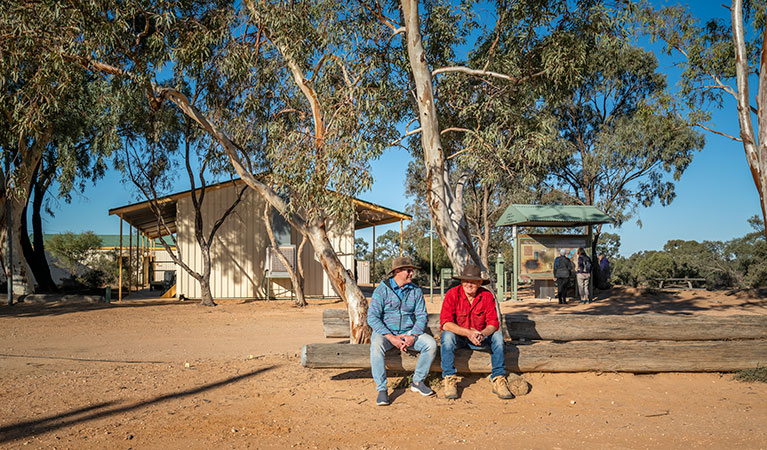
(564, 269)
(468, 319)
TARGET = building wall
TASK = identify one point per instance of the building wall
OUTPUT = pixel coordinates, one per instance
(238, 252)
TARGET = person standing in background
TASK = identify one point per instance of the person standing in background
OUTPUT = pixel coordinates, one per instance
(563, 270)
(583, 275)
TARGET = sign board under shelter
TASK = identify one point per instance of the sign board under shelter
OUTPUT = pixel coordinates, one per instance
(537, 253)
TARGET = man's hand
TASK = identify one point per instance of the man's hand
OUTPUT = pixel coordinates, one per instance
(399, 341)
(409, 341)
(476, 337)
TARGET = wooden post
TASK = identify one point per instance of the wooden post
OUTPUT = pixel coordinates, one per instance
(120, 265)
(431, 261)
(400, 237)
(373, 259)
(138, 248)
(515, 270)
(130, 258)
(594, 262)
(8, 230)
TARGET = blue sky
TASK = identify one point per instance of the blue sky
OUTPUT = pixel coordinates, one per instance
(715, 196)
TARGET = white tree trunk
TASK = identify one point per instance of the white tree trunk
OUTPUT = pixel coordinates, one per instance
(756, 150)
(344, 285)
(446, 208)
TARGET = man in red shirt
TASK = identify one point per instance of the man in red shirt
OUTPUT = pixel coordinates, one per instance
(469, 319)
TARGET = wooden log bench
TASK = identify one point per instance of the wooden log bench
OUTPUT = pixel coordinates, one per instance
(642, 343)
(576, 327)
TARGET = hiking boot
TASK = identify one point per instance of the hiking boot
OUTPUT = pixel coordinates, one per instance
(421, 388)
(501, 388)
(382, 399)
(451, 389)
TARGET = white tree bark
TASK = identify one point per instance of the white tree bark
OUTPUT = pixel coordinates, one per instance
(446, 207)
(756, 149)
(342, 283)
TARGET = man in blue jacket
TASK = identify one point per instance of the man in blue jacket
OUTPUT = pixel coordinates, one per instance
(397, 315)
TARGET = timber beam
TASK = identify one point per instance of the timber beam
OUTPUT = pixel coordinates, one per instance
(579, 356)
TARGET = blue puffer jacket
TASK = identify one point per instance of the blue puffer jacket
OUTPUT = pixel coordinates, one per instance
(388, 313)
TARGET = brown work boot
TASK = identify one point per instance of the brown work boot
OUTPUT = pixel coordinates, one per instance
(451, 390)
(501, 389)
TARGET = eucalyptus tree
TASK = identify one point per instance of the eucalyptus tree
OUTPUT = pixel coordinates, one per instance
(42, 101)
(620, 134)
(151, 158)
(722, 58)
(530, 42)
(291, 91)
(82, 142)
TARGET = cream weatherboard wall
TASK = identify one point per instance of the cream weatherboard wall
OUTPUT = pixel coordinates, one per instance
(238, 252)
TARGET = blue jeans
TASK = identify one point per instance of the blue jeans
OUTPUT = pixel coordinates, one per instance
(450, 341)
(424, 344)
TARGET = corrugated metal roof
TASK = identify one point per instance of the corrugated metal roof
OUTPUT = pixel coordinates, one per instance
(141, 216)
(552, 216)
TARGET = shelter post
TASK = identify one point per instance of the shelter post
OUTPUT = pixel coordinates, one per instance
(138, 261)
(120, 265)
(515, 269)
(431, 261)
(373, 258)
(130, 258)
(8, 230)
(401, 232)
(590, 240)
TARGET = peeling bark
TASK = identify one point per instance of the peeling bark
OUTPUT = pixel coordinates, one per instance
(445, 207)
(756, 150)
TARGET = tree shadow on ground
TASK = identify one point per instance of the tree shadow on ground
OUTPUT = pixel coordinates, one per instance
(623, 301)
(34, 427)
(60, 308)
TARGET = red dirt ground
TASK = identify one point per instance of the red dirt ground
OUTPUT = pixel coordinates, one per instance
(87, 376)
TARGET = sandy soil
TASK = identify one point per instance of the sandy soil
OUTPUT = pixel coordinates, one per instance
(149, 373)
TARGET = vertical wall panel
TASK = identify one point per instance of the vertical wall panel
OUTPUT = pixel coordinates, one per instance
(238, 252)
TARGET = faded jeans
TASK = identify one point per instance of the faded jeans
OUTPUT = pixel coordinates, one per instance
(450, 341)
(424, 344)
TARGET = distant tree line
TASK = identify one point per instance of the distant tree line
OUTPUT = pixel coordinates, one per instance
(737, 263)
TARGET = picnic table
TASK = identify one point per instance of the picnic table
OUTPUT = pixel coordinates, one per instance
(684, 283)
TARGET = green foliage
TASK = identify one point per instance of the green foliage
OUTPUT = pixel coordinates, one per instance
(757, 374)
(621, 134)
(360, 249)
(739, 263)
(73, 251)
(609, 245)
(654, 265)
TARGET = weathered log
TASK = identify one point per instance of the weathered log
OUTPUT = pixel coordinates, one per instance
(574, 327)
(579, 356)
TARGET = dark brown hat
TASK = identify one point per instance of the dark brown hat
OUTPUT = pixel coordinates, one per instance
(472, 273)
(402, 262)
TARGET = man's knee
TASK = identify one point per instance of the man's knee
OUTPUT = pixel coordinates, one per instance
(377, 345)
(447, 339)
(428, 344)
(496, 339)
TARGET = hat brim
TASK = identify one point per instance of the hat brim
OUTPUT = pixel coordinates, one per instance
(403, 267)
(482, 280)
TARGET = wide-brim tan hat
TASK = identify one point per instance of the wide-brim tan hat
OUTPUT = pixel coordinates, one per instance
(472, 273)
(402, 262)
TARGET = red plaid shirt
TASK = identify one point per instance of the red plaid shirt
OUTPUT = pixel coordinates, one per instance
(478, 315)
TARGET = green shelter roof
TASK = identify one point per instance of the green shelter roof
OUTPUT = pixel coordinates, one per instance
(552, 216)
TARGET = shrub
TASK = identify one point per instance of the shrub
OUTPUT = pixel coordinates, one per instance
(759, 374)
